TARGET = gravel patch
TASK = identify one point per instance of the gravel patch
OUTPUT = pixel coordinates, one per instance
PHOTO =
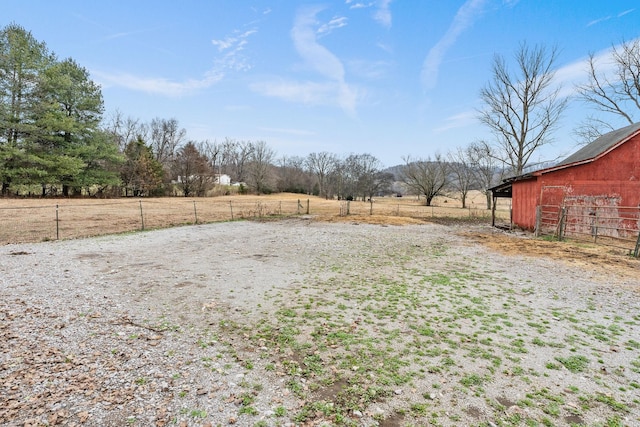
(299, 322)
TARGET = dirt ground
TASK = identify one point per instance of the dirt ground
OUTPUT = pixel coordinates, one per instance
(319, 320)
(605, 259)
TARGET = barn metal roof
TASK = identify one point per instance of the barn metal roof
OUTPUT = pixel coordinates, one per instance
(586, 154)
(600, 145)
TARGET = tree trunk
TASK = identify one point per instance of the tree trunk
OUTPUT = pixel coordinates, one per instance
(487, 194)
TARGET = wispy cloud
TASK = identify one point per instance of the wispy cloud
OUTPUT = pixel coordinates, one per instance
(383, 15)
(609, 17)
(464, 18)
(156, 85)
(231, 58)
(358, 4)
(571, 75)
(320, 60)
(460, 120)
(370, 70)
(233, 42)
(308, 93)
(335, 23)
(599, 20)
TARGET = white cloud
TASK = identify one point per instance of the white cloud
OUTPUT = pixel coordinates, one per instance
(360, 5)
(235, 42)
(336, 22)
(599, 20)
(383, 14)
(609, 17)
(310, 93)
(460, 120)
(321, 60)
(156, 85)
(232, 59)
(576, 73)
(370, 70)
(464, 18)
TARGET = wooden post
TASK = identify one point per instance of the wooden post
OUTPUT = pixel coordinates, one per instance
(308, 206)
(561, 224)
(195, 212)
(57, 224)
(141, 215)
(371, 208)
(493, 212)
(538, 220)
(231, 208)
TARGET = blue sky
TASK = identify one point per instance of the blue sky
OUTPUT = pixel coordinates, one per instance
(391, 78)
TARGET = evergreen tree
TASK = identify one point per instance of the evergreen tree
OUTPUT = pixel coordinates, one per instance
(68, 121)
(22, 60)
(141, 173)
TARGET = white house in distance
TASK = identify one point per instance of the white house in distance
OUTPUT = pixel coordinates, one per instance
(222, 179)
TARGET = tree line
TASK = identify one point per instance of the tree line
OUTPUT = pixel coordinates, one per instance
(56, 140)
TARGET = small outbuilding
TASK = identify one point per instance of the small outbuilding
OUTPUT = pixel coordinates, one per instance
(602, 178)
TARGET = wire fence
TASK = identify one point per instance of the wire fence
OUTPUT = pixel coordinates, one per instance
(24, 220)
(616, 226)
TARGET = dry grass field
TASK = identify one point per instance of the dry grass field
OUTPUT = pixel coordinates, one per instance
(35, 220)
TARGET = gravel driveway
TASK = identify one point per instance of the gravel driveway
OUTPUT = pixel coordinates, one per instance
(299, 322)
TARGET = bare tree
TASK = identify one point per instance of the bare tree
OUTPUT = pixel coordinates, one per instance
(292, 176)
(235, 157)
(214, 153)
(425, 177)
(522, 108)
(486, 166)
(463, 178)
(125, 129)
(617, 94)
(261, 168)
(322, 165)
(359, 176)
(166, 136)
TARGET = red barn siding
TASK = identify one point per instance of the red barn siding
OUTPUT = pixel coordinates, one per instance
(614, 175)
(524, 201)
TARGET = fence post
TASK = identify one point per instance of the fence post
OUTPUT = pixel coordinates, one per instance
(348, 207)
(561, 224)
(371, 209)
(57, 224)
(308, 206)
(231, 208)
(141, 214)
(636, 252)
(195, 212)
(538, 220)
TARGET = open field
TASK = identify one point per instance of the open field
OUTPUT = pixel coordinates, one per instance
(308, 322)
(36, 220)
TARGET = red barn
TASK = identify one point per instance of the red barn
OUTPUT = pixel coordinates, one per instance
(604, 173)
